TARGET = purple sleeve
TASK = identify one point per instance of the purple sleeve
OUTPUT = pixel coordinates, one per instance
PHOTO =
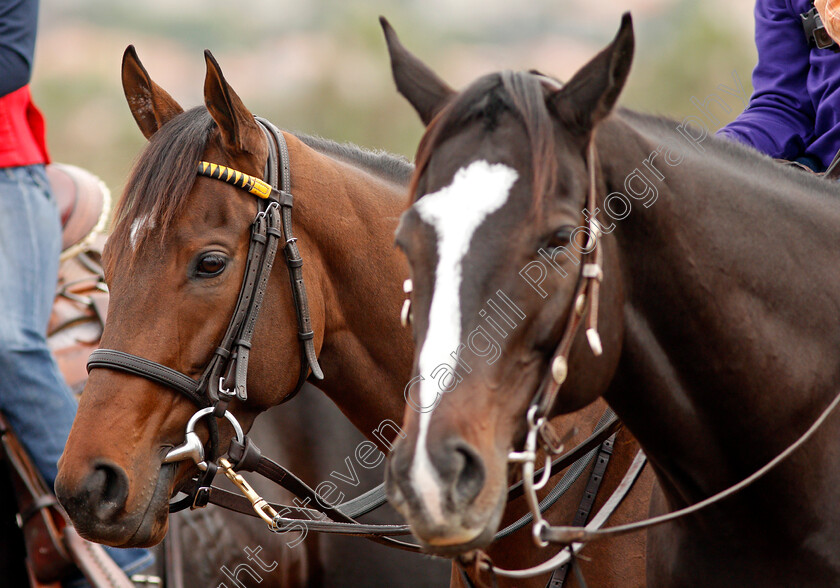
(779, 120)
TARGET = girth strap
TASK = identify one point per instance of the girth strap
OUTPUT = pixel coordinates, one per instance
(558, 576)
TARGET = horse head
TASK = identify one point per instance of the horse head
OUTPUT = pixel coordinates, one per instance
(503, 176)
(174, 265)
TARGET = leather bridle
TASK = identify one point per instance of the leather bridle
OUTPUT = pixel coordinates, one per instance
(225, 376)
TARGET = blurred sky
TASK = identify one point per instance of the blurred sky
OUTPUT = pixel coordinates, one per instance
(321, 67)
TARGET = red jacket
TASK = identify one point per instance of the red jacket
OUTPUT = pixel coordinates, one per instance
(22, 131)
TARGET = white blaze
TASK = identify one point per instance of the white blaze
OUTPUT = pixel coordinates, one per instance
(455, 212)
(138, 226)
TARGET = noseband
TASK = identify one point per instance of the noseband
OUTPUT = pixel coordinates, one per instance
(225, 376)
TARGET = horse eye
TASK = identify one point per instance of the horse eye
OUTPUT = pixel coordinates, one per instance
(210, 265)
(560, 238)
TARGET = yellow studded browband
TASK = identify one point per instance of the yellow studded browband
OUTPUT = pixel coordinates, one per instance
(255, 186)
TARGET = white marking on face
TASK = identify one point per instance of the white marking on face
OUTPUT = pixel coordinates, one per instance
(137, 227)
(455, 212)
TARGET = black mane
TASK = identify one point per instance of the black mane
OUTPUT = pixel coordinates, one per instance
(381, 163)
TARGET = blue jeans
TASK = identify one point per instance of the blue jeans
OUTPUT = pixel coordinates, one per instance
(33, 394)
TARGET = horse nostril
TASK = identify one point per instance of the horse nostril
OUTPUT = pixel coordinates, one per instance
(107, 486)
(469, 479)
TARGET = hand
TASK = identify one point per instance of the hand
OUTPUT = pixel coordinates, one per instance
(829, 11)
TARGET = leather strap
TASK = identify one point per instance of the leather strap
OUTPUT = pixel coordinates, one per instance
(607, 510)
(224, 354)
(585, 299)
(138, 366)
(594, 440)
(361, 505)
(314, 519)
(294, 262)
(341, 519)
(558, 577)
(94, 562)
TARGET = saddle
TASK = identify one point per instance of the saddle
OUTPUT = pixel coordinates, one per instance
(78, 313)
(84, 204)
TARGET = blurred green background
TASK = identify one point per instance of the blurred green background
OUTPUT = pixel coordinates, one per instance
(320, 66)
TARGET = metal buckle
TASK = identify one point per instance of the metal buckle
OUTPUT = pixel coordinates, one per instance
(192, 447)
(202, 497)
(224, 390)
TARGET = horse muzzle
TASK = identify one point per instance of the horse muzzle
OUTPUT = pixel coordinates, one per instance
(437, 491)
(98, 504)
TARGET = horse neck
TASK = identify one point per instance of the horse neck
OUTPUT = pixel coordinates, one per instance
(728, 342)
(349, 229)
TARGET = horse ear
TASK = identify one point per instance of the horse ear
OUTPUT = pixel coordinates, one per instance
(239, 131)
(593, 91)
(426, 92)
(151, 105)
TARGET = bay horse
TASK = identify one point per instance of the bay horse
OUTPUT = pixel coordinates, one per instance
(716, 315)
(201, 545)
(174, 264)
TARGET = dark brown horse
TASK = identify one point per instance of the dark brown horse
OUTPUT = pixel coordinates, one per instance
(174, 264)
(717, 315)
